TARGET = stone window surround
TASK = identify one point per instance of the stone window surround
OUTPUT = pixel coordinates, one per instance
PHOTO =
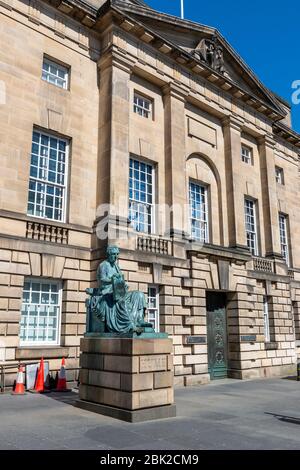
(36, 352)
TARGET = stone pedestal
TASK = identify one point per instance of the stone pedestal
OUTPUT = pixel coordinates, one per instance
(127, 378)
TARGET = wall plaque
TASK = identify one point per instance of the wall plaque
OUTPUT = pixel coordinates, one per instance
(196, 340)
(202, 131)
(249, 338)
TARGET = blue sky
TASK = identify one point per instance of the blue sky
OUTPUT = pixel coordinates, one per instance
(264, 32)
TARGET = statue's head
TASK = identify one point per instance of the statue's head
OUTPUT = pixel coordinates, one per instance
(112, 253)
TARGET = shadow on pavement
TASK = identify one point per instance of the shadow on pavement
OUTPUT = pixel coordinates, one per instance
(285, 419)
(68, 397)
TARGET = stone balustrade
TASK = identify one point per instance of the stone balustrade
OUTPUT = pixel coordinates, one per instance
(155, 245)
(263, 265)
(47, 232)
(291, 273)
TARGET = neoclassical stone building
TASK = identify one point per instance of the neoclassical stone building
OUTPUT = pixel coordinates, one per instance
(110, 102)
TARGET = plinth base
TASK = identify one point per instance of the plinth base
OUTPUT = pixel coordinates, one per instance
(136, 416)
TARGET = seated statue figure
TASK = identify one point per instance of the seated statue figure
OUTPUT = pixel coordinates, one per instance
(119, 310)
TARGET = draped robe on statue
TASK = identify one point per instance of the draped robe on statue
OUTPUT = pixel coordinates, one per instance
(121, 311)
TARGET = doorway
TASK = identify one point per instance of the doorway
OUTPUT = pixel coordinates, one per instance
(217, 340)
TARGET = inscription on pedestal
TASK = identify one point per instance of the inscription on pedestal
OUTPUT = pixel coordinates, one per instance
(149, 364)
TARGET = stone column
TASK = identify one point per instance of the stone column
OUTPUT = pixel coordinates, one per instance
(235, 190)
(269, 196)
(175, 155)
(114, 109)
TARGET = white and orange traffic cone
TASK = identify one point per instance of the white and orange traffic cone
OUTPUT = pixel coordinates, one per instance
(62, 381)
(20, 388)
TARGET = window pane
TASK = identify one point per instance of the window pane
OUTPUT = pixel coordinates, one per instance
(39, 317)
(199, 212)
(44, 167)
(142, 106)
(141, 199)
(55, 73)
(284, 238)
(250, 224)
(153, 307)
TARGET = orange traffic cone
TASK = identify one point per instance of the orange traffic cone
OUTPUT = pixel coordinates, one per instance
(62, 381)
(40, 379)
(39, 383)
(19, 388)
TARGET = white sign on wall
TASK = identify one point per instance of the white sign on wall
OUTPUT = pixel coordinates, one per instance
(2, 351)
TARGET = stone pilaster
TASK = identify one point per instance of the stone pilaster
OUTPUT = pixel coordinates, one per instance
(175, 157)
(114, 108)
(269, 196)
(235, 199)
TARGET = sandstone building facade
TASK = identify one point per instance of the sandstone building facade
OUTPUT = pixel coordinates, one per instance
(111, 102)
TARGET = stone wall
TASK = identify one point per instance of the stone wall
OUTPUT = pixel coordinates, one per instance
(73, 270)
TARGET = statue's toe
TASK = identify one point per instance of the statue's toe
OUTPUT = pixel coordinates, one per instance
(139, 330)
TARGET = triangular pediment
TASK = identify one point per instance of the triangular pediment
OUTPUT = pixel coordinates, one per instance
(205, 45)
(99, 3)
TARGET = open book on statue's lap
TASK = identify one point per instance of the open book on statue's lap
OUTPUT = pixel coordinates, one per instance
(119, 289)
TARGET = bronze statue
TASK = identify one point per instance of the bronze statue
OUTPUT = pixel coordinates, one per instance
(111, 307)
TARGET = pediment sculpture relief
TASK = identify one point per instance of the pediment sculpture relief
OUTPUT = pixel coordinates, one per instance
(210, 51)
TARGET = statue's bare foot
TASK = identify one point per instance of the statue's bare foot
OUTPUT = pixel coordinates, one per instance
(139, 330)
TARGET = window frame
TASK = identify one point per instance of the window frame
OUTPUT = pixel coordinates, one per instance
(207, 211)
(157, 312)
(47, 182)
(59, 284)
(51, 61)
(256, 251)
(286, 256)
(248, 160)
(152, 205)
(139, 95)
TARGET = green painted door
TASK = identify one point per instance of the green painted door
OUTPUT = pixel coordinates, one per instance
(217, 335)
